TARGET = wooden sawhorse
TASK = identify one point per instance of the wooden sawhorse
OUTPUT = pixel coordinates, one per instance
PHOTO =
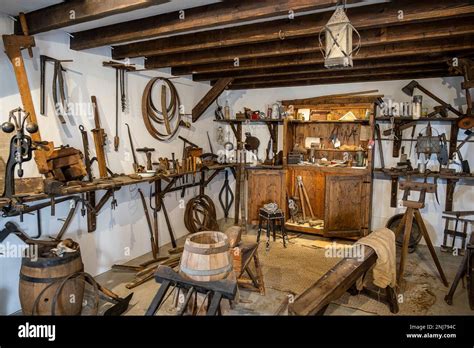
(413, 211)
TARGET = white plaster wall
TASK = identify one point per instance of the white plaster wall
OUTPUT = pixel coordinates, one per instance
(121, 234)
(448, 89)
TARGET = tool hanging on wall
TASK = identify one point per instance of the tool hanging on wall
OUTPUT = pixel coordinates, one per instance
(136, 167)
(159, 205)
(170, 114)
(226, 196)
(21, 147)
(429, 144)
(90, 196)
(120, 70)
(464, 163)
(410, 88)
(147, 151)
(64, 163)
(465, 67)
(153, 242)
(59, 84)
(87, 158)
(99, 140)
(379, 145)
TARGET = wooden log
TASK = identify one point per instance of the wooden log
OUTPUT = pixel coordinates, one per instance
(380, 15)
(332, 285)
(324, 81)
(402, 50)
(211, 96)
(344, 73)
(202, 17)
(372, 37)
(73, 12)
(388, 63)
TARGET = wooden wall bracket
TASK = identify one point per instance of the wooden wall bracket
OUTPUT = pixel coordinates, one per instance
(394, 191)
(94, 209)
(211, 96)
(450, 186)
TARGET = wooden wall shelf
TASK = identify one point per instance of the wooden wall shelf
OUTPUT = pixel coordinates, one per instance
(279, 121)
(338, 170)
(421, 119)
(112, 183)
(331, 121)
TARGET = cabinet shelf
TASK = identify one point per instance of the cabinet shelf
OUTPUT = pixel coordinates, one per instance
(234, 121)
(331, 121)
(421, 119)
(338, 150)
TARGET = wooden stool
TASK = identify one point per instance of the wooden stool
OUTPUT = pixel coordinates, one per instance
(413, 210)
(243, 254)
(271, 219)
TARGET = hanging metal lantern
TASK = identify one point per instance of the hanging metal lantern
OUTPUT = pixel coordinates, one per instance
(337, 47)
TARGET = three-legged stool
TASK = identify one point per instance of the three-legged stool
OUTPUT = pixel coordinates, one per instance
(271, 220)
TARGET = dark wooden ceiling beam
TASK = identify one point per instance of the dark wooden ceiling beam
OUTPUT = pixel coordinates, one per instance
(202, 17)
(371, 37)
(344, 73)
(61, 15)
(365, 17)
(389, 64)
(402, 50)
(348, 79)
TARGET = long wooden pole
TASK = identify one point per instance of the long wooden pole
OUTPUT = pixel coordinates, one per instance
(13, 46)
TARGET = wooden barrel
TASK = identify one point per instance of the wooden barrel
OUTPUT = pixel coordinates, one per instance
(37, 273)
(206, 256)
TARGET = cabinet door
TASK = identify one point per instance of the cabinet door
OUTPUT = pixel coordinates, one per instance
(346, 206)
(264, 186)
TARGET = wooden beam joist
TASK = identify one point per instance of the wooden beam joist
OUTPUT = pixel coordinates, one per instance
(219, 86)
(325, 81)
(202, 17)
(402, 50)
(389, 63)
(366, 17)
(79, 11)
(328, 74)
(371, 37)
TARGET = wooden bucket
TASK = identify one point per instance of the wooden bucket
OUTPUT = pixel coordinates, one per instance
(206, 256)
(37, 274)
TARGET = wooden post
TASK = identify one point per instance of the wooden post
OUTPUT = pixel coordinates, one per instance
(238, 179)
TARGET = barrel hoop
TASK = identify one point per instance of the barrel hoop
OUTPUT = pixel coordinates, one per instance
(49, 262)
(210, 272)
(207, 251)
(43, 280)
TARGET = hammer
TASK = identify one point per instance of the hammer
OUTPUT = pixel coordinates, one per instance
(147, 151)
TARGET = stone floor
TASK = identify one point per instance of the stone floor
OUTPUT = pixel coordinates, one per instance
(289, 271)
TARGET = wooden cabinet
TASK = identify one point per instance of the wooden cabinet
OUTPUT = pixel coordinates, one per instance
(264, 186)
(341, 198)
(346, 208)
(338, 187)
